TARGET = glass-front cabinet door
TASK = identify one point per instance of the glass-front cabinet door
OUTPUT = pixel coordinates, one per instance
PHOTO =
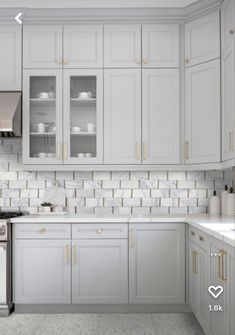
(83, 117)
(42, 122)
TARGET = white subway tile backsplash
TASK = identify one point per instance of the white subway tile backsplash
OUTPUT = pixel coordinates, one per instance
(167, 184)
(120, 175)
(178, 193)
(8, 176)
(94, 202)
(36, 184)
(113, 202)
(159, 210)
(131, 202)
(160, 193)
(138, 175)
(205, 184)
(198, 175)
(150, 202)
(103, 193)
(176, 176)
(92, 184)
(148, 184)
(169, 202)
(141, 193)
(130, 184)
(141, 210)
(186, 184)
(17, 184)
(197, 193)
(100, 175)
(83, 175)
(186, 202)
(111, 184)
(122, 193)
(85, 193)
(155, 175)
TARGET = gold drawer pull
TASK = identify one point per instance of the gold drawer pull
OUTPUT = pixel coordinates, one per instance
(138, 151)
(145, 61)
(74, 261)
(67, 254)
(42, 231)
(59, 61)
(99, 231)
(223, 253)
(66, 61)
(186, 150)
(187, 61)
(194, 263)
(131, 238)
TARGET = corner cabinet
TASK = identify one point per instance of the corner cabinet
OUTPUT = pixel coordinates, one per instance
(202, 115)
(227, 23)
(157, 263)
(10, 58)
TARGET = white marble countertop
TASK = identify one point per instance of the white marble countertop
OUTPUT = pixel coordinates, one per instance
(220, 227)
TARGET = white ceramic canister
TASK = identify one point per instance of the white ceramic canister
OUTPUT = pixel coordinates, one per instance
(224, 200)
(230, 203)
(214, 205)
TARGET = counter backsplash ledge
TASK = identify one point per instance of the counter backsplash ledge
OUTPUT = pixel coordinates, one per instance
(107, 192)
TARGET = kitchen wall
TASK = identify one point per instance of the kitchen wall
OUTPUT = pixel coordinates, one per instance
(107, 192)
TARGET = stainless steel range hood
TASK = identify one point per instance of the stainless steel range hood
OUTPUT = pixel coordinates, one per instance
(10, 114)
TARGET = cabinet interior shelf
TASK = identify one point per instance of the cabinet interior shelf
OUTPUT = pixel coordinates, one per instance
(83, 102)
(42, 101)
(85, 134)
(42, 134)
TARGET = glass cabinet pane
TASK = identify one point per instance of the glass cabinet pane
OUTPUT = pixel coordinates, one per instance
(43, 117)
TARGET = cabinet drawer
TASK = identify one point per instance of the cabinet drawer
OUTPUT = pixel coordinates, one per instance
(42, 231)
(99, 230)
(198, 238)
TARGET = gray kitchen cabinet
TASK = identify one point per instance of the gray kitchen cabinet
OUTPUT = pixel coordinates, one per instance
(232, 291)
(198, 284)
(202, 114)
(202, 39)
(122, 116)
(10, 58)
(122, 46)
(83, 117)
(228, 102)
(42, 122)
(42, 271)
(42, 47)
(227, 23)
(83, 46)
(160, 116)
(160, 46)
(157, 263)
(99, 271)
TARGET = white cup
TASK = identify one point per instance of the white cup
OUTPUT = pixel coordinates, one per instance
(84, 95)
(88, 154)
(76, 129)
(90, 127)
(40, 127)
(80, 155)
(51, 95)
(41, 155)
(43, 95)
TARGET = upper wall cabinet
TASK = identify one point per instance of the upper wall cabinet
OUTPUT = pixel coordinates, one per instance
(10, 58)
(83, 46)
(227, 23)
(202, 125)
(160, 45)
(42, 47)
(202, 39)
(122, 116)
(160, 118)
(122, 46)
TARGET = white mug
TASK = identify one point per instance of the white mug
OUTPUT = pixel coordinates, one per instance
(43, 95)
(88, 155)
(76, 129)
(41, 155)
(90, 127)
(83, 95)
(40, 127)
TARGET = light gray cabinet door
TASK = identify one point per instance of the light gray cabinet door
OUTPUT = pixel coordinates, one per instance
(161, 116)
(10, 58)
(227, 23)
(157, 263)
(160, 45)
(122, 116)
(202, 39)
(83, 46)
(202, 114)
(228, 102)
(83, 116)
(42, 122)
(42, 47)
(122, 46)
(100, 271)
(198, 285)
(42, 271)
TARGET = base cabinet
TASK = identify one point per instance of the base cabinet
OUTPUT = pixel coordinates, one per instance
(42, 271)
(157, 263)
(100, 271)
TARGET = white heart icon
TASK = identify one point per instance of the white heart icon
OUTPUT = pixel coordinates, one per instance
(215, 291)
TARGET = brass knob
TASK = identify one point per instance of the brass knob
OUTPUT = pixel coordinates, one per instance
(59, 61)
(42, 231)
(231, 31)
(187, 61)
(99, 231)
(145, 61)
(66, 61)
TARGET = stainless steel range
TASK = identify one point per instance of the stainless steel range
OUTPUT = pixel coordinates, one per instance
(6, 304)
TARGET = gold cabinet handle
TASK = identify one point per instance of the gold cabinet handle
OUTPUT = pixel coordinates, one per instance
(99, 231)
(187, 61)
(145, 151)
(65, 151)
(131, 238)
(219, 264)
(58, 151)
(66, 260)
(42, 231)
(59, 61)
(138, 151)
(231, 148)
(231, 32)
(186, 150)
(74, 261)
(145, 61)
(65, 61)
(195, 270)
(223, 253)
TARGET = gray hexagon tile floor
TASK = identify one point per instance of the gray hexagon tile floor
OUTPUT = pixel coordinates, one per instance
(100, 324)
